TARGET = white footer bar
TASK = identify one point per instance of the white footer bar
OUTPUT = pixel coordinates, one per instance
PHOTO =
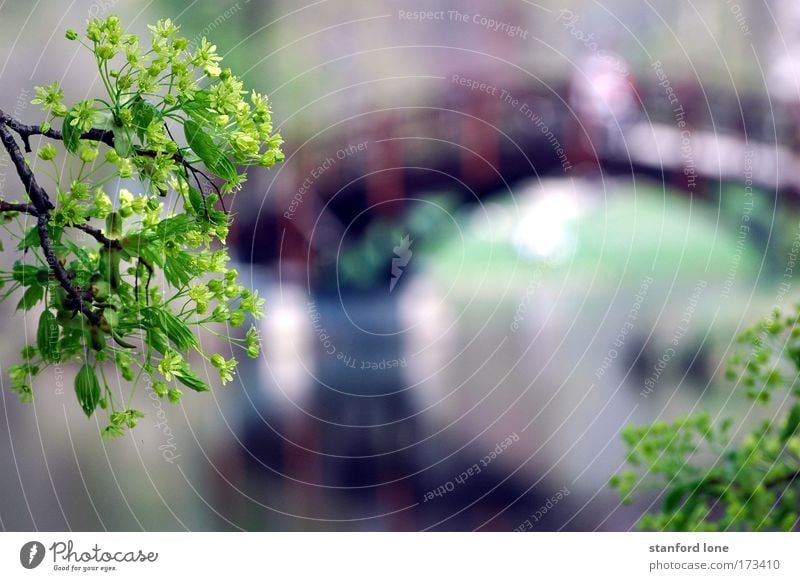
(379, 556)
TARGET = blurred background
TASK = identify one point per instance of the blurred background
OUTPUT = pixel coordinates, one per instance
(503, 231)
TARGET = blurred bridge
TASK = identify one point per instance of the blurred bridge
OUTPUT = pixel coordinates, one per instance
(476, 143)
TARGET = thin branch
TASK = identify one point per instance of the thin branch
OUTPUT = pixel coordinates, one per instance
(14, 207)
(39, 198)
(195, 172)
(79, 299)
(26, 131)
(100, 135)
(98, 235)
(42, 204)
(213, 185)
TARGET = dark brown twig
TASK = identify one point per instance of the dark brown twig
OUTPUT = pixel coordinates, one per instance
(78, 298)
(195, 172)
(41, 205)
(98, 235)
(14, 207)
(26, 131)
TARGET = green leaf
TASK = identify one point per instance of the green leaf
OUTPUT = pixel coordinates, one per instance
(173, 226)
(190, 379)
(120, 340)
(27, 274)
(151, 318)
(123, 141)
(172, 326)
(205, 148)
(143, 115)
(135, 243)
(198, 107)
(153, 255)
(178, 269)
(32, 296)
(82, 255)
(157, 340)
(224, 169)
(87, 388)
(217, 217)
(111, 431)
(196, 201)
(30, 240)
(792, 423)
(178, 332)
(71, 133)
(47, 337)
(674, 497)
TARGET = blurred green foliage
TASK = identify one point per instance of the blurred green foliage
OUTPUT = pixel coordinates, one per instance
(715, 475)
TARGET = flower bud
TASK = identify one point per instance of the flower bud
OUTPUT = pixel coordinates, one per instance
(47, 153)
(174, 395)
(237, 318)
(160, 388)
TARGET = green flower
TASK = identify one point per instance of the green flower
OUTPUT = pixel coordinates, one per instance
(156, 134)
(152, 216)
(171, 363)
(79, 190)
(160, 388)
(47, 153)
(50, 98)
(88, 153)
(102, 204)
(253, 340)
(174, 395)
(206, 58)
(268, 159)
(111, 431)
(221, 314)
(200, 294)
(105, 52)
(125, 168)
(226, 369)
(84, 115)
(94, 31)
(28, 352)
(253, 305)
(163, 28)
(226, 96)
(162, 253)
(21, 376)
(69, 213)
(244, 144)
(237, 318)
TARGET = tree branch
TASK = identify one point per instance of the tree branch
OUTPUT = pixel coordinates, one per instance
(42, 204)
(98, 235)
(99, 135)
(21, 208)
(26, 131)
(80, 299)
(41, 201)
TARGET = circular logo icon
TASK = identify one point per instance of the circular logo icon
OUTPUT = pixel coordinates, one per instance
(31, 554)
